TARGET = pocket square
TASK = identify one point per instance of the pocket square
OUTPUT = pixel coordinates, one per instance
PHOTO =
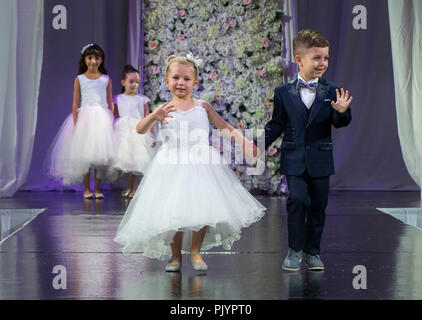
(325, 100)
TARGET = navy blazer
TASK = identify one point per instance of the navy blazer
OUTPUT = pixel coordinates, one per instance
(307, 143)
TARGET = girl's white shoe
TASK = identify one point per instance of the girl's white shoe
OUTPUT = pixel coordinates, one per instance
(198, 266)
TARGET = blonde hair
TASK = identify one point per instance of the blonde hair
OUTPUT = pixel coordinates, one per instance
(181, 60)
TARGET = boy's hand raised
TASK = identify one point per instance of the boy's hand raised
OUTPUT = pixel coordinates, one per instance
(342, 102)
(162, 112)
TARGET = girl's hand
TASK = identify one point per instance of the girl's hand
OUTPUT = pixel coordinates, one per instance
(153, 145)
(250, 150)
(162, 112)
(342, 102)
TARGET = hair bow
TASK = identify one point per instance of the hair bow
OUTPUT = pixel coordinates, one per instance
(190, 57)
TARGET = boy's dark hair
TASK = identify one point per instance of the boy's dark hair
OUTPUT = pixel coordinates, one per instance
(96, 50)
(126, 70)
(306, 39)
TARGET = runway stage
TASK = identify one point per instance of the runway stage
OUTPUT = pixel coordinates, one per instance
(78, 234)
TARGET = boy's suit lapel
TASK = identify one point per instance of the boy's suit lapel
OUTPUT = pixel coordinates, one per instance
(322, 91)
(296, 98)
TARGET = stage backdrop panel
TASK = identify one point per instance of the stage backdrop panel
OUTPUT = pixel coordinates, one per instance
(70, 25)
(367, 152)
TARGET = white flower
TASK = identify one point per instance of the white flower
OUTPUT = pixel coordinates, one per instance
(212, 31)
(246, 116)
(239, 67)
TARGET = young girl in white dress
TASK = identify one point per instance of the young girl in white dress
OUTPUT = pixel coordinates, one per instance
(85, 140)
(133, 151)
(188, 199)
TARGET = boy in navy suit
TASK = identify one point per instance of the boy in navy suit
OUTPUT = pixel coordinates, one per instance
(304, 110)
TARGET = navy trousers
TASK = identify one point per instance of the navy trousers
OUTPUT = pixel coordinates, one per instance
(306, 211)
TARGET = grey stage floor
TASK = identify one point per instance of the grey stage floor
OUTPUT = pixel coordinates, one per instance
(78, 235)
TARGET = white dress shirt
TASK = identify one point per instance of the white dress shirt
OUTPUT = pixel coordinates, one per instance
(307, 95)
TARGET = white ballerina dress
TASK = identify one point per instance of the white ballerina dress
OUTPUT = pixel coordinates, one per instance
(133, 150)
(89, 143)
(186, 187)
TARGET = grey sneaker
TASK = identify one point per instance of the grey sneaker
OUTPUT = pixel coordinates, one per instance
(314, 263)
(173, 267)
(292, 261)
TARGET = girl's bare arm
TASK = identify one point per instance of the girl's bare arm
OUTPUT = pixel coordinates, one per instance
(110, 96)
(229, 131)
(76, 97)
(146, 113)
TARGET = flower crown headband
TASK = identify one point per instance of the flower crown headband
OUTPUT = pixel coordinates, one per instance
(86, 47)
(189, 57)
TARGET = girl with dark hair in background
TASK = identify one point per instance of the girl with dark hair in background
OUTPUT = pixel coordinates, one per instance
(85, 140)
(133, 151)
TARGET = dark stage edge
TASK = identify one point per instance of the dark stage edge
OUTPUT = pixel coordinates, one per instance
(78, 234)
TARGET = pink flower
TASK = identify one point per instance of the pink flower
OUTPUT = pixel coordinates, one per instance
(182, 13)
(272, 151)
(155, 70)
(262, 72)
(181, 36)
(153, 44)
(247, 1)
(232, 22)
(265, 42)
(213, 75)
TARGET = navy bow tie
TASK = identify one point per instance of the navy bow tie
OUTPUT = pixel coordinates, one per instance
(302, 84)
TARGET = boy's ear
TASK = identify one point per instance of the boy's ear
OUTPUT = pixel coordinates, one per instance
(298, 59)
(122, 82)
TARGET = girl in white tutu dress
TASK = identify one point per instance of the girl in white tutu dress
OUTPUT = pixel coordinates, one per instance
(133, 151)
(85, 140)
(188, 199)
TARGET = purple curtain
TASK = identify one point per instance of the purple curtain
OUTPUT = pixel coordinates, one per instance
(135, 42)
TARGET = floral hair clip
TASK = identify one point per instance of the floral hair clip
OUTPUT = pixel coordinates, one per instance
(86, 47)
(190, 57)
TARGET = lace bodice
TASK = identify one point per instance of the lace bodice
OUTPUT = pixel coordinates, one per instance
(93, 92)
(187, 128)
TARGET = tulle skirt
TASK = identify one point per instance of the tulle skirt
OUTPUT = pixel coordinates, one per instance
(133, 150)
(77, 148)
(186, 196)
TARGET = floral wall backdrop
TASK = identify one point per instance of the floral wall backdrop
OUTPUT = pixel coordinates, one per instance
(240, 42)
